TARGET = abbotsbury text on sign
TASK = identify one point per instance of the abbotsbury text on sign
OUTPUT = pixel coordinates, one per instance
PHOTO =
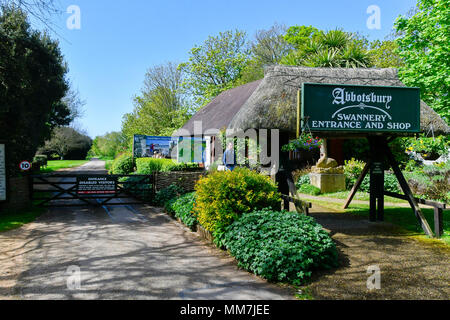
(331, 107)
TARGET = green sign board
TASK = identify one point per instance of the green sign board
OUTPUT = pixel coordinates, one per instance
(351, 108)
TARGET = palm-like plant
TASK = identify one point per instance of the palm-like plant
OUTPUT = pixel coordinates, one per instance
(332, 49)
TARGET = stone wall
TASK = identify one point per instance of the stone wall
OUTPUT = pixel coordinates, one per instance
(186, 180)
(19, 196)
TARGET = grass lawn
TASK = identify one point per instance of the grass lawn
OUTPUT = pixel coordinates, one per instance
(14, 220)
(402, 217)
(62, 164)
(363, 196)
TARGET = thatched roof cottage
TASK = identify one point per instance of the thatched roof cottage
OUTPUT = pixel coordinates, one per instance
(271, 103)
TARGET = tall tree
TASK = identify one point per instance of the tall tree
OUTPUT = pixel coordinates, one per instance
(424, 45)
(216, 65)
(161, 108)
(32, 86)
(267, 48)
(67, 143)
(383, 54)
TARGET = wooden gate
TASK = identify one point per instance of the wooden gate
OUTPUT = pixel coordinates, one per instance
(66, 190)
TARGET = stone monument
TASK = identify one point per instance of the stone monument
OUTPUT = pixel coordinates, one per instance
(327, 175)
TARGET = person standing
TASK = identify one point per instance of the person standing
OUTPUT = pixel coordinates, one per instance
(229, 157)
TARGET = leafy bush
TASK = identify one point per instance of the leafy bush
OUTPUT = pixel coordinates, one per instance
(429, 146)
(309, 189)
(183, 208)
(280, 246)
(167, 194)
(303, 180)
(41, 160)
(150, 165)
(352, 171)
(223, 196)
(123, 164)
(431, 182)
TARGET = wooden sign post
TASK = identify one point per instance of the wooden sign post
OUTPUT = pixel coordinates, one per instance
(377, 113)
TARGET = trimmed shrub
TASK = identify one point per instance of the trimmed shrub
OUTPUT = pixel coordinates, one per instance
(123, 164)
(280, 246)
(167, 194)
(223, 196)
(309, 189)
(183, 208)
(150, 165)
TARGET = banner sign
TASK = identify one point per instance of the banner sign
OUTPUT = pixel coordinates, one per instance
(148, 146)
(352, 108)
(91, 185)
(2, 173)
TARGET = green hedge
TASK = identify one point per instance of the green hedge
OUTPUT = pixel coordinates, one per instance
(123, 164)
(309, 189)
(150, 165)
(280, 246)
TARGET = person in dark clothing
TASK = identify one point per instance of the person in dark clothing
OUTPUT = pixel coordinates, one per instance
(229, 157)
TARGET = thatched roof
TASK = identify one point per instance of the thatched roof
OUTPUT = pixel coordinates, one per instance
(219, 113)
(274, 103)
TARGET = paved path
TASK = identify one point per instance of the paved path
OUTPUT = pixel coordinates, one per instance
(122, 253)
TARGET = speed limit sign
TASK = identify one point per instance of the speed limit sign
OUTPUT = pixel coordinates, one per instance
(25, 166)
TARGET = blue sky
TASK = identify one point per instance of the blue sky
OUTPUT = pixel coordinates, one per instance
(119, 40)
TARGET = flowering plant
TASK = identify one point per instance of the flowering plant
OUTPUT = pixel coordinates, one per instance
(429, 147)
(306, 142)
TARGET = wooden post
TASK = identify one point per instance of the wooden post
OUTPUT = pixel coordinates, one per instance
(358, 184)
(407, 191)
(438, 222)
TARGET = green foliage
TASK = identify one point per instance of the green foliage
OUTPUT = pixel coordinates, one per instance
(309, 189)
(108, 146)
(305, 179)
(183, 208)
(352, 171)
(224, 196)
(424, 44)
(32, 87)
(431, 182)
(41, 160)
(429, 146)
(216, 65)
(280, 246)
(151, 165)
(123, 164)
(383, 54)
(67, 143)
(167, 194)
(331, 49)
